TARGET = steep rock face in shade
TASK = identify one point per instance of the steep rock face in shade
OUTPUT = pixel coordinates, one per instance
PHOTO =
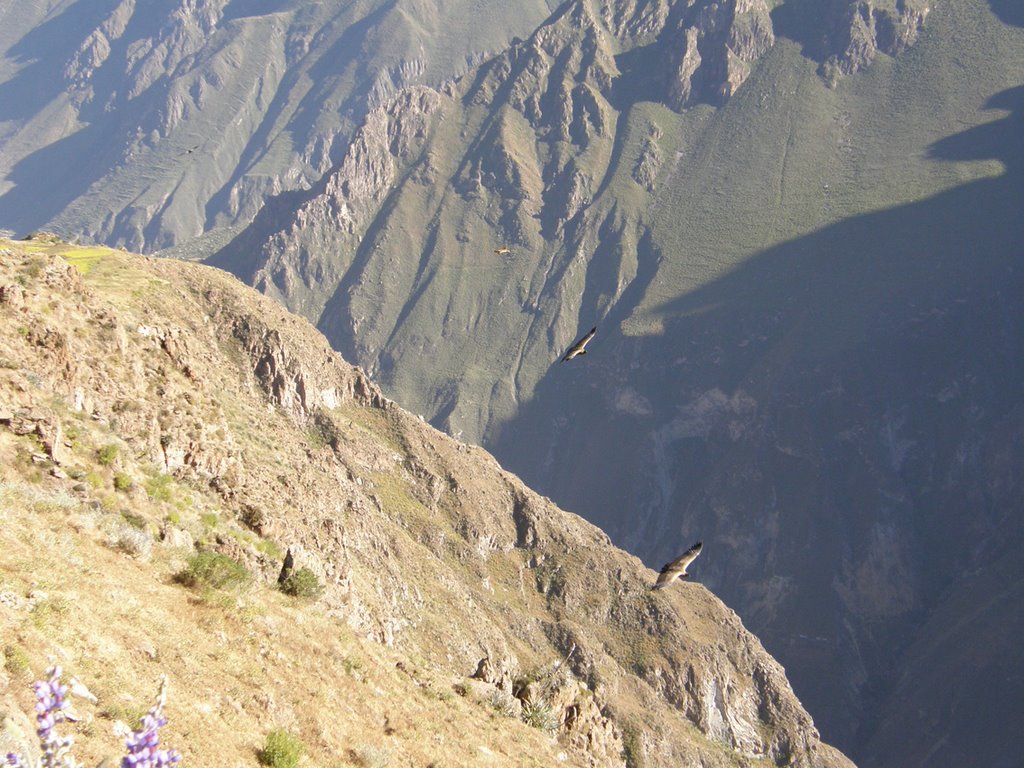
(400, 522)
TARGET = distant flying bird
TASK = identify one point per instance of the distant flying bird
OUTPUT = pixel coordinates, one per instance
(503, 250)
(190, 150)
(677, 568)
(579, 348)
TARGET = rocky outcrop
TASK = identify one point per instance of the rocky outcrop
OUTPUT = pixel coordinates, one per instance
(649, 161)
(857, 30)
(711, 46)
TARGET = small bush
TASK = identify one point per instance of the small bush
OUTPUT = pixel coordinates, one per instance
(302, 583)
(209, 519)
(212, 569)
(505, 703)
(15, 660)
(134, 519)
(123, 482)
(372, 757)
(159, 488)
(107, 455)
(280, 750)
(253, 518)
(132, 541)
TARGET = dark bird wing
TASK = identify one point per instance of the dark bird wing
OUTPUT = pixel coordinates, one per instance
(579, 348)
(678, 566)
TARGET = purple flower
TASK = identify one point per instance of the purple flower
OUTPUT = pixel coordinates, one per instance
(50, 711)
(50, 706)
(142, 744)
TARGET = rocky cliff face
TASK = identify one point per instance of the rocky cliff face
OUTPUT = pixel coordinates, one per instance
(425, 544)
(855, 32)
(293, 253)
(711, 48)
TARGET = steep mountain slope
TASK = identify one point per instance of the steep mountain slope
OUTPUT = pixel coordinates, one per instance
(793, 223)
(149, 124)
(140, 396)
(800, 252)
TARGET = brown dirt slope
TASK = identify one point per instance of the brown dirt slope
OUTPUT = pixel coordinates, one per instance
(151, 410)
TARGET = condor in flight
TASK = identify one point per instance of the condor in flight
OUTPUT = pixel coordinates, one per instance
(579, 348)
(677, 568)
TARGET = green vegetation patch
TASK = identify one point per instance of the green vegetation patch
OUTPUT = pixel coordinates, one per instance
(16, 661)
(280, 750)
(214, 570)
(107, 455)
(123, 482)
(302, 583)
(538, 714)
(159, 487)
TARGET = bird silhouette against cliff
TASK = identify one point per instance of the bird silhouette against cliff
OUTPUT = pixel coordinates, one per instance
(579, 348)
(677, 568)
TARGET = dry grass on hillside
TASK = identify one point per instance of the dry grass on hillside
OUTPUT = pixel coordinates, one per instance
(240, 663)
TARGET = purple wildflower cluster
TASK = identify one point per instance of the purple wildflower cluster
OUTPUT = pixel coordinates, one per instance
(50, 706)
(142, 744)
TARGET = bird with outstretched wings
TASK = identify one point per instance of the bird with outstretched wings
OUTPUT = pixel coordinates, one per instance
(677, 568)
(503, 250)
(580, 347)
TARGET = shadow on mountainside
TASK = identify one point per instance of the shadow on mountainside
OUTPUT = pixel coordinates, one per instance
(838, 418)
(1008, 11)
(48, 180)
(108, 120)
(44, 53)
